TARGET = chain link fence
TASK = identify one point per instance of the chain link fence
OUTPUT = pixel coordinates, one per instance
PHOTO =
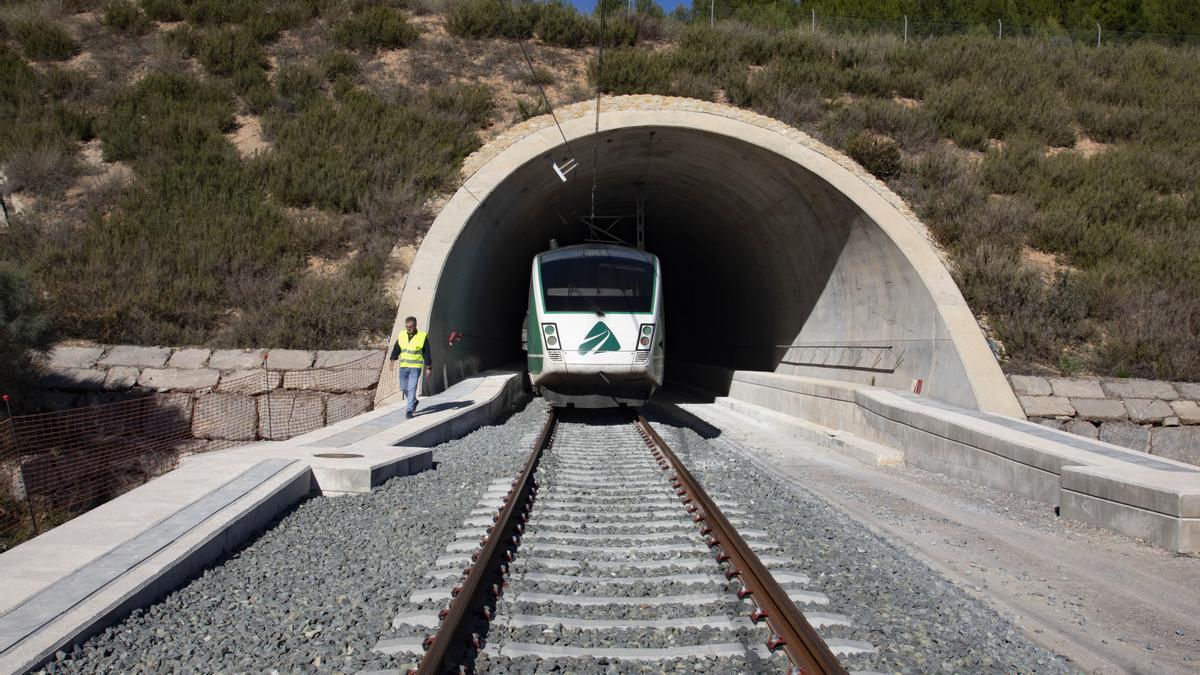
(56, 465)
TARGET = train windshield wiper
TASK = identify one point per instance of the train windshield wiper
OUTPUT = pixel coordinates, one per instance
(571, 289)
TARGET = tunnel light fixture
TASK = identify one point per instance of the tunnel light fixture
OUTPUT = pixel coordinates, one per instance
(550, 333)
(567, 166)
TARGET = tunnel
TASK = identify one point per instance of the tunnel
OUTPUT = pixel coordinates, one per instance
(778, 254)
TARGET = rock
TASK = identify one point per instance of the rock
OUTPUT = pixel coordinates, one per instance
(1083, 428)
(1188, 389)
(121, 377)
(62, 357)
(334, 380)
(142, 357)
(236, 359)
(1100, 409)
(258, 381)
(227, 416)
(1171, 421)
(1126, 435)
(1076, 387)
(1140, 389)
(338, 408)
(289, 359)
(1187, 411)
(1143, 410)
(1029, 385)
(1052, 423)
(1046, 406)
(1181, 443)
(360, 358)
(284, 414)
(74, 379)
(172, 415)
(190, 379)
(189, 358)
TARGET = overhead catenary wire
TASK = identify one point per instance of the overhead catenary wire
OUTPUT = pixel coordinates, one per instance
(599, 90)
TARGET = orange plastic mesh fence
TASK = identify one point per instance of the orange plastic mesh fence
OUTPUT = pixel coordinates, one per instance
(56, 465)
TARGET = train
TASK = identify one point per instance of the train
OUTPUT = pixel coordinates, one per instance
(594, 334)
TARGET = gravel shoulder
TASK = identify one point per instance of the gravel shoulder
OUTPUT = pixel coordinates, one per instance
(1104, 602)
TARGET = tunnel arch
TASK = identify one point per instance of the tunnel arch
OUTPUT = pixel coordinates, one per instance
(778, 252)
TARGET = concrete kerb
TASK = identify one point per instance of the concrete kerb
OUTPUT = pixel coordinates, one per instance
(984, 384)
(1141, 495)
(42, 563)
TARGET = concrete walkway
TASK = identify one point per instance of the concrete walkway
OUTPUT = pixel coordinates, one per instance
(1108, 602)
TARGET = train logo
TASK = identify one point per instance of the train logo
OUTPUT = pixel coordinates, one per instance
(599, 339)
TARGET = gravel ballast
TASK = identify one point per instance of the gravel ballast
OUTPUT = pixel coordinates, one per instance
(316, 591)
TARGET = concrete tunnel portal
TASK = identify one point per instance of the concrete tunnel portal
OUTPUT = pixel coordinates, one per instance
(777, 254)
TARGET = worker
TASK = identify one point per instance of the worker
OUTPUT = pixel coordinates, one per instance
(412, 350)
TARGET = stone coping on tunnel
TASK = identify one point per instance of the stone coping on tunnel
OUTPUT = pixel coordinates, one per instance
(1135, 493)
(964, 361)
(64, 580)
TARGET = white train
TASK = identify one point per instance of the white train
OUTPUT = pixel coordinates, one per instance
(594, 330)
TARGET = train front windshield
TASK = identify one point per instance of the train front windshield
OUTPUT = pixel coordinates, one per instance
(598, 283)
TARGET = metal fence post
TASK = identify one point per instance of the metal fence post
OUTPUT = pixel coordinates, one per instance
(1097, 33)
(905, 29)
(712, 13)
(814, 19)
(1000, 22)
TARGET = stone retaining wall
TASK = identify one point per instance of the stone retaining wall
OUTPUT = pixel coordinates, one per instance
(1161, 418)
(227, 396)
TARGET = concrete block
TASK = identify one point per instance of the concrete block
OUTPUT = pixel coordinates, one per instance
(258, 381)
(1143, 410)
(167, 379)
(1126, 435)
(237, 359)
(360, 358)
(62, 356)
(284, 414)
(1140, 389)
(189, 358)
(142, 357)
(1178, 443)
(227, 416)
(1030, 385)
(1076, 387)
(1188, 412)
(337, 380)
(1083, 428)
(345, 406)
(1046, 406)
(74, 379)
(1100, 409)
(289, 359)
(121, 377)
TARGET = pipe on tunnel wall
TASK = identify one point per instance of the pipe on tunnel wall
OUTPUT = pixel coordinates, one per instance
(778, 253)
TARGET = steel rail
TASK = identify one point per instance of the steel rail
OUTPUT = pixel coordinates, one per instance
(793, 633)
(458, 619)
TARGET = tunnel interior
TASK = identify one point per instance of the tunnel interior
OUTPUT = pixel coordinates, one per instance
(766, 265)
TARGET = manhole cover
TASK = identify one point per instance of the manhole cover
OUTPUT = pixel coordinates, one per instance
(337, 455)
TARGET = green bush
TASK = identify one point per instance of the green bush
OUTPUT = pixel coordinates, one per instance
(164, 113)
(25, 331)
(492, 18)
(298, 86)
(633, 71)
(878, 154)
(227, 51)
(562, 25)
(43, 40)
(125, 17)
(335, 65)
(373, 28)
(163, 10)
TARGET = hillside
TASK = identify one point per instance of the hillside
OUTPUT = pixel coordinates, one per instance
(256, 172)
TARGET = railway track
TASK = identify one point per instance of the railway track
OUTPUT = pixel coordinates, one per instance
(606, 550)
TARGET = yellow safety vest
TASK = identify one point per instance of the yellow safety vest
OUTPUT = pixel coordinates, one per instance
(411, 350)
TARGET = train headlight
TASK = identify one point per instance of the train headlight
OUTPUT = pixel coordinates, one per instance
(645, 335)
(550, 333)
